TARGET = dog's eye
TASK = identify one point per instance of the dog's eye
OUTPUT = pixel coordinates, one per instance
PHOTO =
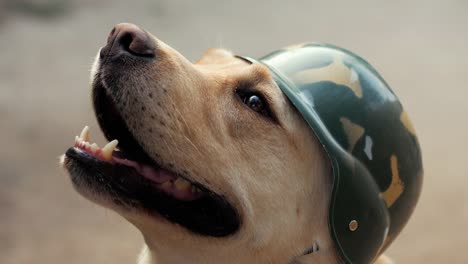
(254, 102)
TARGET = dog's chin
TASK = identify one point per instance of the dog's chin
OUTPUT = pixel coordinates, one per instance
(131, 181)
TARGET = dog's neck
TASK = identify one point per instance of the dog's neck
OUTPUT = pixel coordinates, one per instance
(322, 256)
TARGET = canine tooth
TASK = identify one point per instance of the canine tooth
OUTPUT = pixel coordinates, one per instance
(108, 149)
(85, 134)
(77, 139)
(94, 147)
(182, 184)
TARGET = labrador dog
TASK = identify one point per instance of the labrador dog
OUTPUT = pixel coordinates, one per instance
(209, 160)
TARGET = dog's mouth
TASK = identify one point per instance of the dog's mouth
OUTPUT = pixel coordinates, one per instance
(125, 173)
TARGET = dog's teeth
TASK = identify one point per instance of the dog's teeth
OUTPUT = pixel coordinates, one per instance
(182, 184)
(85, 134)
(108, 149)
(77, 139)
(94, 147)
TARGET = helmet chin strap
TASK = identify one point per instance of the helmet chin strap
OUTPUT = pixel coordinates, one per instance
(310, 250)
(314, 248)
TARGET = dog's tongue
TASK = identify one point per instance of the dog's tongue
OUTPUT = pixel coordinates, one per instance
(167, 181)
(149, 172)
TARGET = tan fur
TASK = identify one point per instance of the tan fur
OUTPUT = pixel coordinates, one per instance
(276, 175)
(383, 260)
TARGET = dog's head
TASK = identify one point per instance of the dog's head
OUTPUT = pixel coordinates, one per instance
(212, 162)
(304, 156)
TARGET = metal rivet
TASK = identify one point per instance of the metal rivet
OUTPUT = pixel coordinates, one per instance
(353, 225)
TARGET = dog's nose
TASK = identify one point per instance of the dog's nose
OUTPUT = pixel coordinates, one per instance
(128, 38)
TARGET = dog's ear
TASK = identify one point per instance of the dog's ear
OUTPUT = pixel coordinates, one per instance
(215, 56)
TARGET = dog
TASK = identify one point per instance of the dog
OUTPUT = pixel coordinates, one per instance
(209, 160)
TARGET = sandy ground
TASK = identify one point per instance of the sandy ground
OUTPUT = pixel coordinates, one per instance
(420, 47)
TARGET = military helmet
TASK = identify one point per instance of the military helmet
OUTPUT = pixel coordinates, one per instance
(368, 138)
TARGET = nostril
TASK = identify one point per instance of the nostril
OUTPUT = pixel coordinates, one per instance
(139, 43)
(125, 41)
(129, 39)
(142, 49)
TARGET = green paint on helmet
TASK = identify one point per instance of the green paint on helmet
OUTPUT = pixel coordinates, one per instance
(369, 140)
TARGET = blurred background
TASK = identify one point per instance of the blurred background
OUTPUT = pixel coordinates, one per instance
(47, 47)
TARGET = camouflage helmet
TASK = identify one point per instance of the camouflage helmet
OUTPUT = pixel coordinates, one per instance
(367, 136)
